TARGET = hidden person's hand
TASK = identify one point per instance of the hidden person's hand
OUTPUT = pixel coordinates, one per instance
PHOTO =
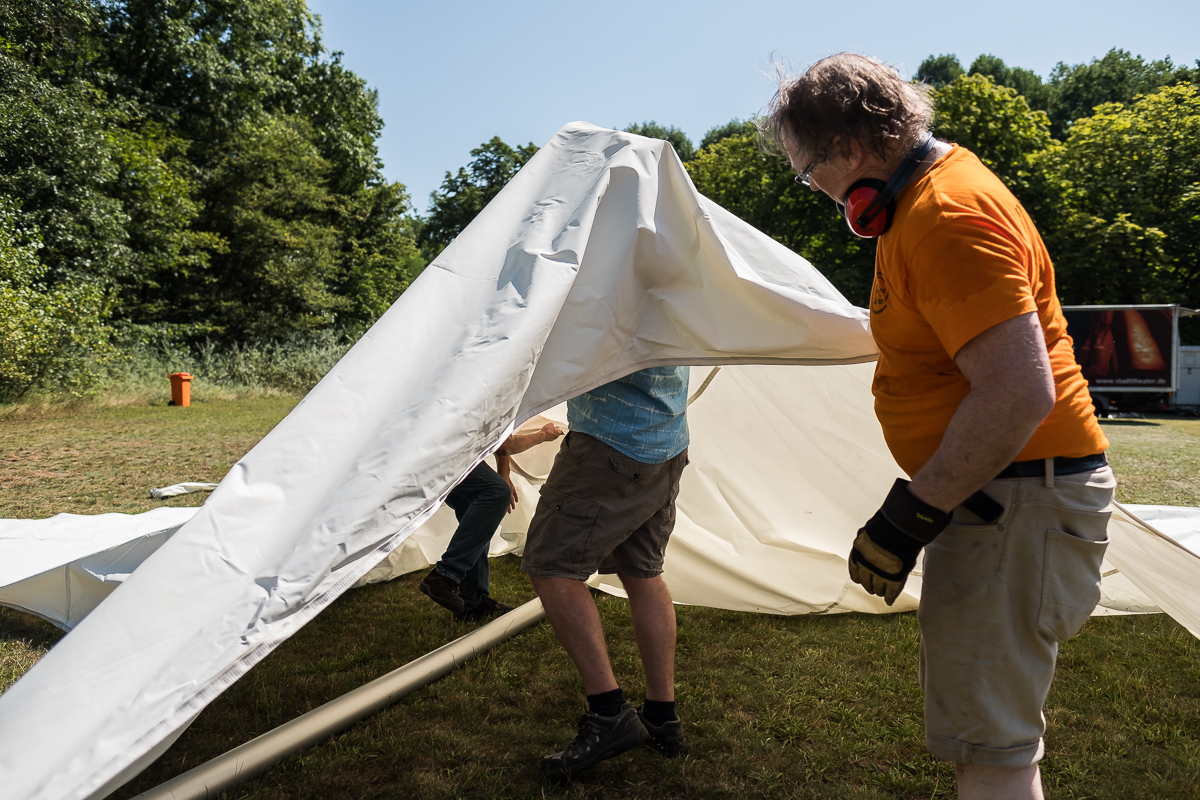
(512, 497)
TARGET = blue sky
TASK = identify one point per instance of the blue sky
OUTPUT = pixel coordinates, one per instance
(452, 74)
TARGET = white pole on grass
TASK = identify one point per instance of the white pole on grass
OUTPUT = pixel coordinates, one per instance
(207, 781)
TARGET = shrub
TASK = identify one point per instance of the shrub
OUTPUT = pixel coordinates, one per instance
(49, 336)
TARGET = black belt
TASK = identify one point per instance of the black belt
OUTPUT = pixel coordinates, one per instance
(1063, 465)
(988, 510)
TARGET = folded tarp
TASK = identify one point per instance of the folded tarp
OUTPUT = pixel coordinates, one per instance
(62, 567)
(599, 258)
(1163, 567)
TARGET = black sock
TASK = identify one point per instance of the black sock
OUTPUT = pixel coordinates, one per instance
(606, 704)
(659, 712)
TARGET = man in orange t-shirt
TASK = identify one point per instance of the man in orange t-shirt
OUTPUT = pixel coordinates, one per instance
(981, 402)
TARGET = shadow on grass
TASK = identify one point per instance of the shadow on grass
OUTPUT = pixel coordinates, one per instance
(37, 632)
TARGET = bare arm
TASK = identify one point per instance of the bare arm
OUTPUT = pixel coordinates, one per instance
(520, 442)
(504, 469)
(1012, 391)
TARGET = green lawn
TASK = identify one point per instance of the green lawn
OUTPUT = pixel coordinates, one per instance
(805, 707)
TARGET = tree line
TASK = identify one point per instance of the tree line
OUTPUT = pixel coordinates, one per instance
(204, 170)
(1105, 156)
(188, 169)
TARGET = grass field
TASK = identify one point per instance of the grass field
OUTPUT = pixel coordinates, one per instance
(804, 707)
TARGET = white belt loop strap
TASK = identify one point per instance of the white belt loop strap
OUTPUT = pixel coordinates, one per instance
(1049, 482)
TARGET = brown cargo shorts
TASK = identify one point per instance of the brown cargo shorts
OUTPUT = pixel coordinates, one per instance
(602, 511)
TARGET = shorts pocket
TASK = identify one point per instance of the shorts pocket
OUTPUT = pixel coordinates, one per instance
(558, 503)
(578, 446)
(1070, 584)
(559, 534)
(628, 467)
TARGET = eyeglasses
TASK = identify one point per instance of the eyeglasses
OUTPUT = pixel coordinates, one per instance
(804, 177)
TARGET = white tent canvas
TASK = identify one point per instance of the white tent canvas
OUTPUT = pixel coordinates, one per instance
(754, 532)
(599, 258)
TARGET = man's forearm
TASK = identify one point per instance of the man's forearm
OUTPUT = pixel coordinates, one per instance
(985, 435)
(1012, 391)
(520, 442)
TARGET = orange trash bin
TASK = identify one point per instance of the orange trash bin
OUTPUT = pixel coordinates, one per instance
(181, 388)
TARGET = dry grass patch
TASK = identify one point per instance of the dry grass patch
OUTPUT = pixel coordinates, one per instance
(107, 458)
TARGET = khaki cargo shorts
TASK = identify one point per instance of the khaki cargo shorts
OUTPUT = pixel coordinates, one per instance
(602, 511)
(996, 602)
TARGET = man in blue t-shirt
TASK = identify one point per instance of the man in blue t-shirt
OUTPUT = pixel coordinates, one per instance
(609, 507)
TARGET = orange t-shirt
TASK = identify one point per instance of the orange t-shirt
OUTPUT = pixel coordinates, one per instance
(962, 256)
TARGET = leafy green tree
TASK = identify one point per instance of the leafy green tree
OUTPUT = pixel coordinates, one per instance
(940, 70)
(464, 194)
(204, 67)
(111, 194)
(678, 139)
(1117, 77)
(378, 255)
(761, 189)
(272, 202)
(1026, 82)
(996, 124)
(1130, 229)
(55, 156)
(157, 190)
(223, 76)
(734, 127)
(204, 163)
(55, 38)
(46, 333)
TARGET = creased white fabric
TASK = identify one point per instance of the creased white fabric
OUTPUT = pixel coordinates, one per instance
(597, 259)
(62, 567)
(767, 508)
(177, 489)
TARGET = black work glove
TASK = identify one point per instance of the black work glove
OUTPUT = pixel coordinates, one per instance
(887, 546)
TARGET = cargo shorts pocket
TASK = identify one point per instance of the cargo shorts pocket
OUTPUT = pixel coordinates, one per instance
(1070, 584)
(560, 530)
(577, 446)
(555, 502)
(628, 467)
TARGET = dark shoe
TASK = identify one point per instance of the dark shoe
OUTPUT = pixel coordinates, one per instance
(443, 591)
(599, 738)
(666, 740)
(486, 609)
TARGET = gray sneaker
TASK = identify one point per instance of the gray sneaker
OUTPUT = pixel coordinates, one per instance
(666, 740)
(599, 738)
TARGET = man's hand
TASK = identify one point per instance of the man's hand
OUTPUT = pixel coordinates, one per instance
(887, 546)
(551, 432)
(512, 488)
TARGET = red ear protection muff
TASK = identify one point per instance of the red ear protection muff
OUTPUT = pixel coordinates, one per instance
(870, 204)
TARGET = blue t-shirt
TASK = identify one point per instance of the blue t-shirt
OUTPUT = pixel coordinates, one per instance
(643, 415)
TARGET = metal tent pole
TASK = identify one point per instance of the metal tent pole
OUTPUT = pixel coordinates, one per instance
(207, 781)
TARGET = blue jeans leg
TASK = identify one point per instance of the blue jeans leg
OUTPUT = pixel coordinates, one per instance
(480, 502)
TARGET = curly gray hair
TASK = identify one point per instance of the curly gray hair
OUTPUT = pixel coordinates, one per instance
(848, 96)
